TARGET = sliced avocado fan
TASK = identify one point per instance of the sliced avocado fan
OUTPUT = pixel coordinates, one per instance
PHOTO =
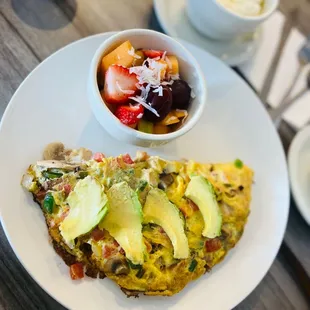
(88, 205)
(124, 221)
(201, 192)
(159, 210)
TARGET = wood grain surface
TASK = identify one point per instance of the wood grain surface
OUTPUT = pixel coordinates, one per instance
(33, 29)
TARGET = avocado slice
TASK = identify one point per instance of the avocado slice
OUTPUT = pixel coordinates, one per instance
(124, 221)
(159, 210)
(88, 205)
(201, 192)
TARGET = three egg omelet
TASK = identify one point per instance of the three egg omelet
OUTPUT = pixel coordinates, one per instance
(149, 224)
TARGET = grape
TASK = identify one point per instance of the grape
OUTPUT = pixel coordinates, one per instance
(162, 104)
(181, 95)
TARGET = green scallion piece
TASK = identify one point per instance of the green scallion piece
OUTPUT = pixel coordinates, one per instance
(193, 265)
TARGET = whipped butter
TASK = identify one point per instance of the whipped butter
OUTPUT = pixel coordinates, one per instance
(244, 7)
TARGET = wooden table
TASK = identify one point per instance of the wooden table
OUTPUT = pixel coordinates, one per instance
(33, 29)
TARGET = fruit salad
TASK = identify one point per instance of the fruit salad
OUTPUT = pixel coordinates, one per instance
(143, 88)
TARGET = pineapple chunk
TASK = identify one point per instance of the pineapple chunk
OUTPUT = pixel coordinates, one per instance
(173, 65)
(160, 129)
(119, 56)
(138, 61)
(180, 113)
(169, 119)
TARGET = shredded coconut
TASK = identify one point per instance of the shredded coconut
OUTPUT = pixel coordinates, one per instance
(149, 75)
(167, 82)
(159, 90)
(125, 91)
(132, 53)
(142, 102)
(164, 55)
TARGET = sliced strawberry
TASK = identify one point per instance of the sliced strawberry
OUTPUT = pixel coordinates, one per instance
(153, 53)
(119, 84)
(129, 115)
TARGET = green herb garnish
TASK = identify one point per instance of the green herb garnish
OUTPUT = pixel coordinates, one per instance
(238, 163)
(52, 175)
(49, 203)
(193, 265)
(83, 174)
(133, 266)
(140, 273)
(142, 185)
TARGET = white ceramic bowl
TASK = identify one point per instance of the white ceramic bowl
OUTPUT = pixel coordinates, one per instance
(213, 20)
(189, 71)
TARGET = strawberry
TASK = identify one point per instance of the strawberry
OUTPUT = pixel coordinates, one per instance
(119, 84)
(129, 115)
(153, 53)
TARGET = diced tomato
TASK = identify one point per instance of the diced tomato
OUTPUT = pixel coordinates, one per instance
(77, 271)
(127, 159)
(97, 234)
(98, 157)
(213, 245)
(67, 189)
(193, 205)
(109, 250)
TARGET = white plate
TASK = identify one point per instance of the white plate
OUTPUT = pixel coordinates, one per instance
(51, 105)
(299, 170)
(174, 21)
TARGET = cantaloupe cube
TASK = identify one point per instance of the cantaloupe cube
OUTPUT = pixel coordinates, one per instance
(173, 65)
(169, 119)
(120, 56)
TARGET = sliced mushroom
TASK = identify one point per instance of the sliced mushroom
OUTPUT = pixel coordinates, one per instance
(79, 155)
(130, 293)
(57, 164)
(165, 181)
(117, 266)
(54, 150)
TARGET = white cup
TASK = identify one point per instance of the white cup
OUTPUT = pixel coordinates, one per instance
(213, 20)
